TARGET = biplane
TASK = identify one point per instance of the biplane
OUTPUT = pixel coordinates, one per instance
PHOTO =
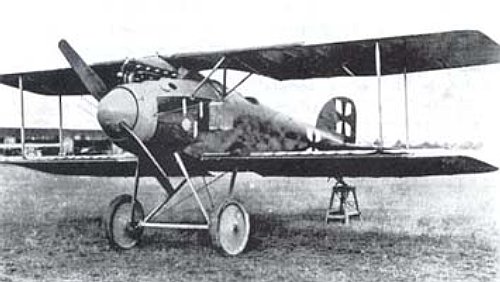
(180, 122)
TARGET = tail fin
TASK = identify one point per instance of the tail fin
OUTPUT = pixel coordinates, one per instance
(338, 116)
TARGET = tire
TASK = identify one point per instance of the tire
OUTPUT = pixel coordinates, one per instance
(230, 228)
(121, 233)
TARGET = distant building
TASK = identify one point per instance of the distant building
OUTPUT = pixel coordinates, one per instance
(75, 141)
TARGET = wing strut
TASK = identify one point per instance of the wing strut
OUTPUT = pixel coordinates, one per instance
(239, 83)
(61, 137)
(407, 116)
(206, 78)
(378, 69)
(23, 138)
(347, 70)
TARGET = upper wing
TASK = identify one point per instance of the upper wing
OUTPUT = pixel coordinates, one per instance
(61, 81)
(398, 54)
(412, 53)
(348, 164)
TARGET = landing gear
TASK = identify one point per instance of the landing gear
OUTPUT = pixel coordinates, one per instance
(122, 231)
(230, 224)
(230, 227)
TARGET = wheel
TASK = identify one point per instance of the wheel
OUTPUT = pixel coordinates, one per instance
(121, 232)
(230, 227)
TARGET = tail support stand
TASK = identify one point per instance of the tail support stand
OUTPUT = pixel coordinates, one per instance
(343, 203)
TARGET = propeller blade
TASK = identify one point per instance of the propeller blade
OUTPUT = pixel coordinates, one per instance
(162, 176)
(87, 75)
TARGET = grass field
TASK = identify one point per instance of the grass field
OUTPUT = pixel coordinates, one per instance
(415, 229)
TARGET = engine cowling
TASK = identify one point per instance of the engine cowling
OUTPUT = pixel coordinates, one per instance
(134, 104)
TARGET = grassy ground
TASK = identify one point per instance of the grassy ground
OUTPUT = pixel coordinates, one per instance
(416, 229)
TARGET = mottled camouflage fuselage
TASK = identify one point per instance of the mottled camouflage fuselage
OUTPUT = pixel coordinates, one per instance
(167, 117)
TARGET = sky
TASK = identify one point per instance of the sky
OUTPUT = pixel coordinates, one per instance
(445, 106)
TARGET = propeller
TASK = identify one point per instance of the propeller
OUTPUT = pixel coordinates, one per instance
(115, 106)
(87, 75)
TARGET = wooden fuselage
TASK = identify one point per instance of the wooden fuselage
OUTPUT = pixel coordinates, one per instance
(169, 118)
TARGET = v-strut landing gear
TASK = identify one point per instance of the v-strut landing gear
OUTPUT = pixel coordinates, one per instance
(228, 224)
(344, 196)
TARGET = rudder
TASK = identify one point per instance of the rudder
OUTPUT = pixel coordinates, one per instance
(338, 116)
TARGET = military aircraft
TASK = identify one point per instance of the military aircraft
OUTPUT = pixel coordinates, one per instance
(179, 122)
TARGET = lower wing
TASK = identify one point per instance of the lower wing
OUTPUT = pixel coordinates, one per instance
(306, 164)
(348, 164)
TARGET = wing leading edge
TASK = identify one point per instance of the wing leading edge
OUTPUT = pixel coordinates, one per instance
(412, 53)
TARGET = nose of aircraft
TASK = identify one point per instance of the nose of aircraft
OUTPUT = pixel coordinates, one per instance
(119, 105)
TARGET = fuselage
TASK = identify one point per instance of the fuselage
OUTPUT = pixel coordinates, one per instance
(172, 114)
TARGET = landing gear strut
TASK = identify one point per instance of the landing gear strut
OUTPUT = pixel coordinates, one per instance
(228, 224)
